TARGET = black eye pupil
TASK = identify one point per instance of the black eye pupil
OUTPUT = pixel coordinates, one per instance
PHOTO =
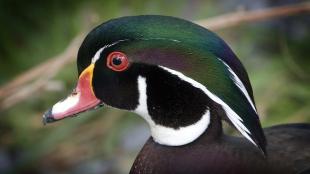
(116, 61)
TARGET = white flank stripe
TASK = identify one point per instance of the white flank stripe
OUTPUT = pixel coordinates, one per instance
(232, 115)
(166, 135)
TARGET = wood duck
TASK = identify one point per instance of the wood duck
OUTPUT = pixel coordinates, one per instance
(183, 80)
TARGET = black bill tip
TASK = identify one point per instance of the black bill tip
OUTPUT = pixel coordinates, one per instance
(48, 117)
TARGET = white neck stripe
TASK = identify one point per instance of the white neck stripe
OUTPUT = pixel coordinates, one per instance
(183, 135)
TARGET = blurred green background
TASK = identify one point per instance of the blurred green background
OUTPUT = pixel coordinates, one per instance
(275, 53)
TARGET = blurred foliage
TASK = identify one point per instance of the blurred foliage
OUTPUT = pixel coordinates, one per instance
(274, 52)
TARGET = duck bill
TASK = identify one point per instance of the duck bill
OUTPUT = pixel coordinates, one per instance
(80, 100)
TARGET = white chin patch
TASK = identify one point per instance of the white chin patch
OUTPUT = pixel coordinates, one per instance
(166, 135)
(66, 104)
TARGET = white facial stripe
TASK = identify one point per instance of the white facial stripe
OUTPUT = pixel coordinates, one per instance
(142, 107)
(234, 117)
(240, 85)
(165, 135)
(66, 104)
(97, 54)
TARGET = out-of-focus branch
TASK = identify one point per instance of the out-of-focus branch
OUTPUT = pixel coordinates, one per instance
(243, 16)
(34, 79)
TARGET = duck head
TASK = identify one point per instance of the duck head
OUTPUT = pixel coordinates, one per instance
(167, 70)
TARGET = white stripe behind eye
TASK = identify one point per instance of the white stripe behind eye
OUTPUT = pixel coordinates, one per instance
(97, 54)
(232, 115)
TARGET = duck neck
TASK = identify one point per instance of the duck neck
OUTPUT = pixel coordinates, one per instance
(181, 135)
(174, 121)
(208, 128)
(214, 130)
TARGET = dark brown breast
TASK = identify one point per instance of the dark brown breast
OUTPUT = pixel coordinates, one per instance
(229, 155)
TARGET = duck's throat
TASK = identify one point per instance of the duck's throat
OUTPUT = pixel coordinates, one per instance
(167, 135)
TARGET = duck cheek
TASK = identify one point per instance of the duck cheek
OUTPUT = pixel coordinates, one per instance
(118, 90)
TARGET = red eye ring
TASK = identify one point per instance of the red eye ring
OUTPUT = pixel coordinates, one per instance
(117, 61)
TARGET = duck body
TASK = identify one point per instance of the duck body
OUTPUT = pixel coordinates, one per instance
(230, 155)
(184, 80)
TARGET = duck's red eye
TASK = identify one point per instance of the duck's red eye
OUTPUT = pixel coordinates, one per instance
(117, 61)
